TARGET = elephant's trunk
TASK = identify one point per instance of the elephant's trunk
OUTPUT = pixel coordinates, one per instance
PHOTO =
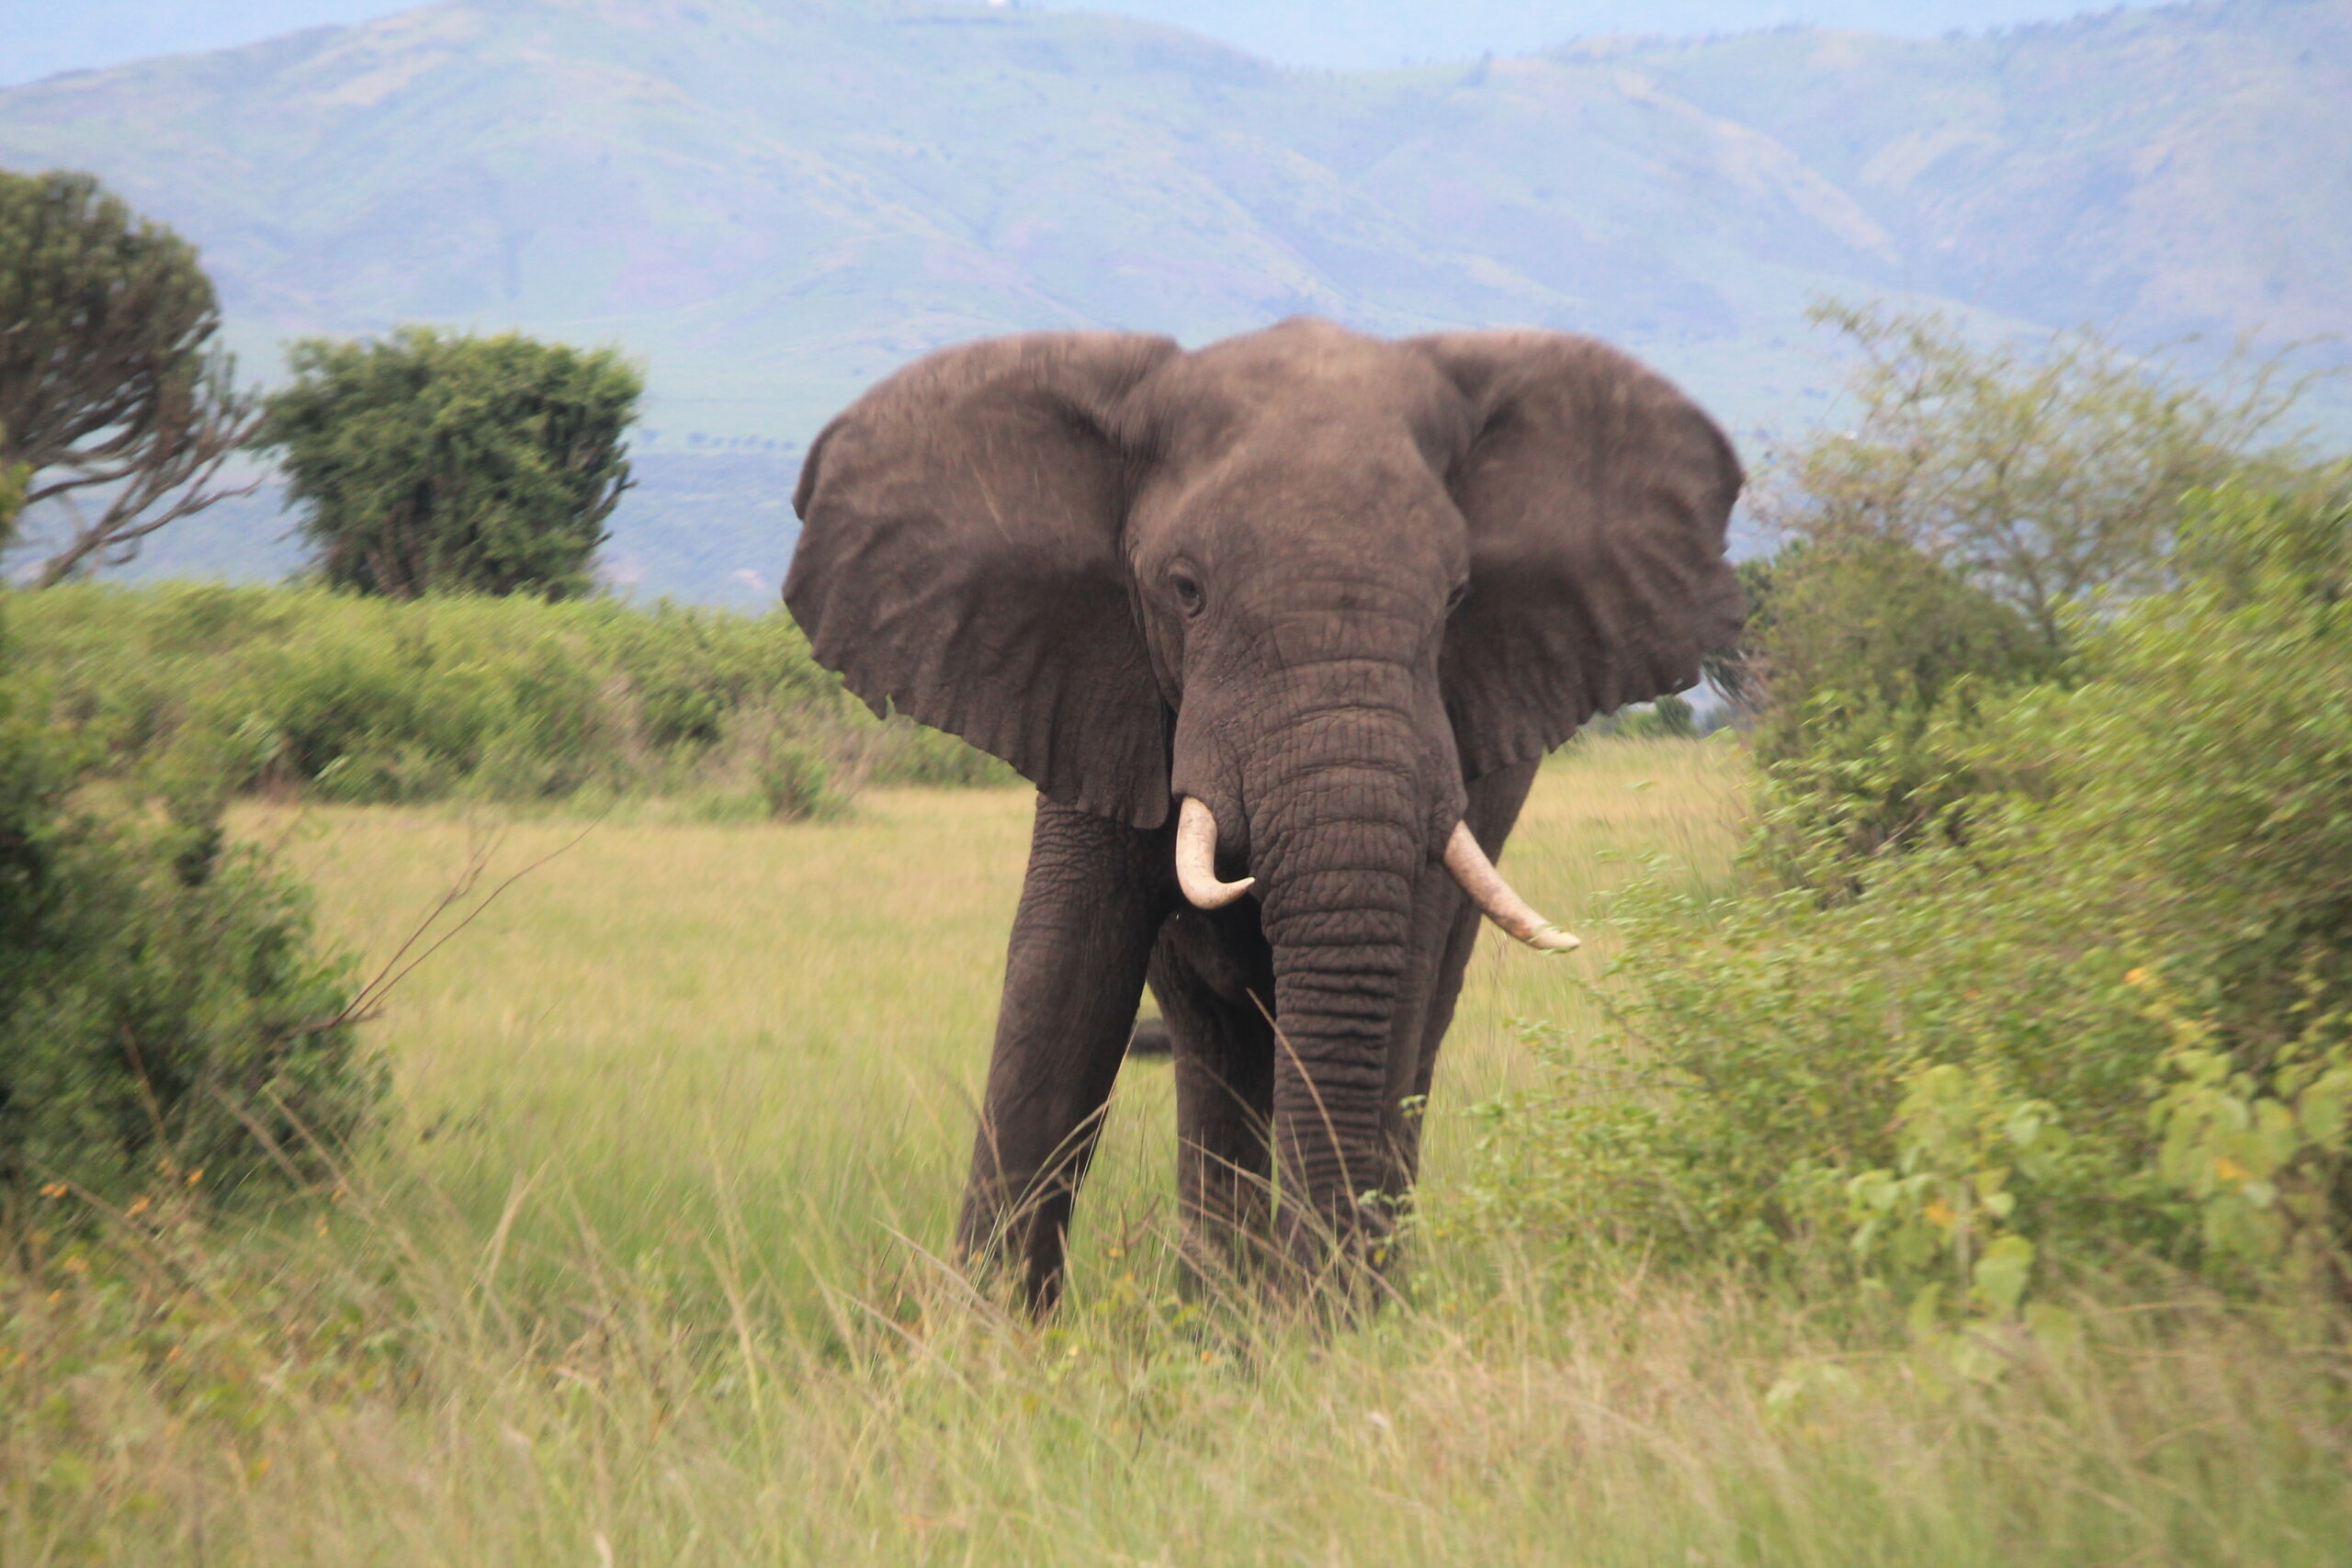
(1339, 822)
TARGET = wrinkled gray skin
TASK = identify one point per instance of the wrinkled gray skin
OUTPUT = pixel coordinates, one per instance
(1346, 592)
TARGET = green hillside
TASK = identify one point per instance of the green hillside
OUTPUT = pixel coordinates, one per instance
(770, 202)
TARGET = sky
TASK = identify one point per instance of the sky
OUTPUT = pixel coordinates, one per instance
(39, 37)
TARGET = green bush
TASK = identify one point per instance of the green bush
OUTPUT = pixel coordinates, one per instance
(1877, 659)
(2111, 1023)
(902, 751)
(164, 1013)
(2048, 475)
(1940, 549)
(364, 699)
(796, 785)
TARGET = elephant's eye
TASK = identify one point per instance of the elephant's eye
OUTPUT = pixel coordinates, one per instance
(1188, 592)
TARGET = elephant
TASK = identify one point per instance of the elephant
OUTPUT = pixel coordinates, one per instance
(1280, 629)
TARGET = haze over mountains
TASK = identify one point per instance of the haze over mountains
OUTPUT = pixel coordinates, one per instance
(1359, 35)
(39, 39)
(771, 202)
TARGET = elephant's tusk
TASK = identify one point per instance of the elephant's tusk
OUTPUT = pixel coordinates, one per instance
(1196, 858)
(1487, 889)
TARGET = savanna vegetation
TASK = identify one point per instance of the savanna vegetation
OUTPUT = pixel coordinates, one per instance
(644, 1266)
(1938, 1154)
(164, 1013)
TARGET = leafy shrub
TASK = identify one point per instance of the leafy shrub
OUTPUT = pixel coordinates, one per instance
(360, 699)
(900, 751)
(164, 1009)
(2113, 1022)
(1940, 549)
(796, 785)
(1876, 661)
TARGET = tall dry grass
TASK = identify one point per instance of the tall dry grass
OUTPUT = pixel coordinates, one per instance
(648, 1274)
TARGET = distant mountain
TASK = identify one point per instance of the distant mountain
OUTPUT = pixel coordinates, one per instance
(771, 202)
(39, 39)
(1355, 35)
(2182, 169)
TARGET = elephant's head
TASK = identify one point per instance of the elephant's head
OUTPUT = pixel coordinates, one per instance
(1305, 583)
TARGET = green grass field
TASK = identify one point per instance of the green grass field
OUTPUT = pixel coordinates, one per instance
(648, 1274)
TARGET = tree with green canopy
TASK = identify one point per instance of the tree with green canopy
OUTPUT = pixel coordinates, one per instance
(432, 463)
(2043, 475)
(116, 402)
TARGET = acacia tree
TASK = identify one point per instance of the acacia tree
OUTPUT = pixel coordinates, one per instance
(114, 399)
(2040, 475)
(447, 463)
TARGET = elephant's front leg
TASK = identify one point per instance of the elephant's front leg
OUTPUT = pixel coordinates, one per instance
(1211, 977)
(1093, 903)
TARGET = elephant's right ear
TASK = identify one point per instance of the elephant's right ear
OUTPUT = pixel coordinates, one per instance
(960, 558)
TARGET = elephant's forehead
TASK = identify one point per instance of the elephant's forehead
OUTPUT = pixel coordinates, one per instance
(1306, 396)
(1320, 497)
(1308, 360)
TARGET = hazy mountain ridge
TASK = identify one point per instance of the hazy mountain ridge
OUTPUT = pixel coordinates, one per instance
(2184, 168)
(41, 40)
(774, 201)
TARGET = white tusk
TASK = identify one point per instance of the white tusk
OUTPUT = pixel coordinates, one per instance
(1196, 858)
(1487, 889)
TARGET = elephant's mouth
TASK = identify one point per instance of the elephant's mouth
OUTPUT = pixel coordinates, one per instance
(1496, 898)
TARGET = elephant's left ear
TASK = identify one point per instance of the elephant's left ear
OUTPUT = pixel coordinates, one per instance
(1598, 496)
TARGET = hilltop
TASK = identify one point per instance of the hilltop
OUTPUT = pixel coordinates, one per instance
(773, 201)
